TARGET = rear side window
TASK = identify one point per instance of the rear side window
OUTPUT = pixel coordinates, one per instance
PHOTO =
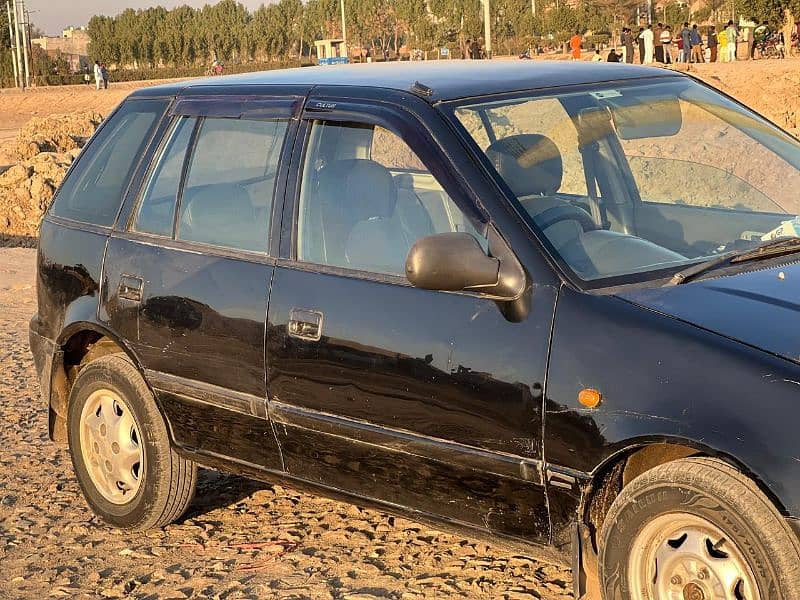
(157, 209)
(227, 198)
(93, 191)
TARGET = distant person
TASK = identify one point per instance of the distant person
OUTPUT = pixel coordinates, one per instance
(761, 34)
(613, 56)
(711, 42)
(640, 41)
(686, 42)
(666, 44)
(98, 75)
(627, 45)
(87, 78)
(104, 71)
(696, 40)
(475, 50)
(596, 56)
(575, 45)
(732, 36)
(722, 44)
(647, 38)
(658, 47)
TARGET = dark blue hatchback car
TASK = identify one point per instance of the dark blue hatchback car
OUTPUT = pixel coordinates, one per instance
(556, 304)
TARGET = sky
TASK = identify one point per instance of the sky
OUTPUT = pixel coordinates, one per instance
(55, 15)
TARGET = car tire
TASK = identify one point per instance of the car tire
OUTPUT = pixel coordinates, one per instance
(128, 472)
(692, 527)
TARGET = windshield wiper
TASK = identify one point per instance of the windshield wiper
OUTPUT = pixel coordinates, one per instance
(766, 249)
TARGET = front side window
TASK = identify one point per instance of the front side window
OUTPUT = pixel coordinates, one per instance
(366, 197)
(92, 193)
(674, 174)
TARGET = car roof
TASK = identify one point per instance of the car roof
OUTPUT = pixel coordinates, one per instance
(445, 79)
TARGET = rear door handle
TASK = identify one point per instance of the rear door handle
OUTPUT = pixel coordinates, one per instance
(130, 288)
(305, 324)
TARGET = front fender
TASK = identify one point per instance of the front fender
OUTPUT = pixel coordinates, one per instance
(662, 379)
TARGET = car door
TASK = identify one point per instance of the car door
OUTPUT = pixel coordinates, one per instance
(187, 275)
(426, 400)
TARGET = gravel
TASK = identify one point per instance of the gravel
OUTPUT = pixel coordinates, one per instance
(239, 539)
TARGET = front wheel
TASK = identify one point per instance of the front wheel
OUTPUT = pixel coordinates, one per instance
(697, 529)
(118, 441)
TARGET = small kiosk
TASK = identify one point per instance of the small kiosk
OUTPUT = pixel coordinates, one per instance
(331, 52)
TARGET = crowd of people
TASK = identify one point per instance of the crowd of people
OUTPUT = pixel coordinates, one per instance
(690, 44)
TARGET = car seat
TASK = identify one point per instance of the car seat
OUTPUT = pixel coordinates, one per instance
(221, 214)
(531, 166)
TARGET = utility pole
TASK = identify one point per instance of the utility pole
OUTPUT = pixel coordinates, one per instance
(533, 8)
(12, 42)
(25, 44)
(20, 69)
(487, 28)
(344, 31)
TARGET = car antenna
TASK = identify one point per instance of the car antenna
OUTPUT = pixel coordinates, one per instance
(421, 89)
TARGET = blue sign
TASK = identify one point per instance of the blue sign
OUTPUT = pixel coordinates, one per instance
(334, 60)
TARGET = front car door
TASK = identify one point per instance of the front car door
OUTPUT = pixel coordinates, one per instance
(425, 400)
(188, 272)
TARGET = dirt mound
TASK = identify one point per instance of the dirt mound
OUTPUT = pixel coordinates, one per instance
(26, 190)
(769, 86)
(56, 133)
(45, 148)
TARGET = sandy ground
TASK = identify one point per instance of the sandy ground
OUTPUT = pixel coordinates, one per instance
(239, 539)
(18, 107)
(770, 86)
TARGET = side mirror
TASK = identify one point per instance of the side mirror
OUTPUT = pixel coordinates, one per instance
(453, 262)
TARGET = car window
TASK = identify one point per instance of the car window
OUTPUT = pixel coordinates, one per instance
(544, 116)
(228, 194)
(92, 193)
(710, 163)
(157, 208)
(712, 176)
(366, 197)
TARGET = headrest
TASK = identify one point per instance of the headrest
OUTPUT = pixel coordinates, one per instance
(211, 206)
(529, 163)
(222, 214)
(361, 187)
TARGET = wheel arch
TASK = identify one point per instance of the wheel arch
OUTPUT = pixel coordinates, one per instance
(636, 456)
(77, 344)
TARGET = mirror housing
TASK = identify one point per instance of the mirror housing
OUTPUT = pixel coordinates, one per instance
(454, 262)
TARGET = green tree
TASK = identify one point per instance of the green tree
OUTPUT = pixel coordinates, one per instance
(103, 43)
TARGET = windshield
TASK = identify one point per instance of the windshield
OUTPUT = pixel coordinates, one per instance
(632, 182)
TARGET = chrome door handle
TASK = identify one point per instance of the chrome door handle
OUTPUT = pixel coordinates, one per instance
(130, 288)
(305, 324)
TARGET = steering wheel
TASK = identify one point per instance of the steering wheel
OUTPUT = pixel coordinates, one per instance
(565, 212)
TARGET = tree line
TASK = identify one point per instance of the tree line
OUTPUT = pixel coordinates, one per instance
(228, 31)
(286, 29)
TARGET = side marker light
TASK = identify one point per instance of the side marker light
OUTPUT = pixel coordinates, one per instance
(590, 398)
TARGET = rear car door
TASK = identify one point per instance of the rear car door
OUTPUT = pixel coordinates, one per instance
(426, 400)
(187, 275)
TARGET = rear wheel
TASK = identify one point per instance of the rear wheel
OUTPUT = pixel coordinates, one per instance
(697, 529)
(129, 474)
